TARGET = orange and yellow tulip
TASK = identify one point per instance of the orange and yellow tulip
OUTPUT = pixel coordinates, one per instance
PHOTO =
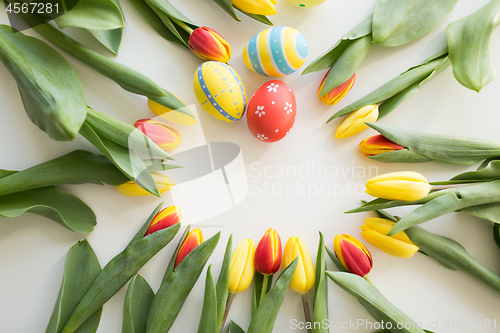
(335, 95)
(268, 253)
(164, 219)
(166, 137)
(207, 44)
(378, 144)
(192, 240)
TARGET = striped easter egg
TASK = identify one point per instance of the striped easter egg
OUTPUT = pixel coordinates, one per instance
(276, 52)
(219, 90)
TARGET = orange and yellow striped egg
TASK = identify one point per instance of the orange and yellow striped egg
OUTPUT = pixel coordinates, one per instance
(276, 52)
(219, 90)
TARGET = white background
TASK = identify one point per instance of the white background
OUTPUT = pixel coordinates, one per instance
(33, 249)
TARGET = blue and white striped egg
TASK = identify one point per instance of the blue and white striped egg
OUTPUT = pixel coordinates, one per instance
(220, 91)
(276, 52)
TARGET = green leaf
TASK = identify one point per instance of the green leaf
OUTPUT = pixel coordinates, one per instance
(329, 58)
(208, 319)
(228, 7)
(80, 270)
(111, 39)
(92, 14)
(264, 317)
(124, 134)
(257, 17)
(124, 159)
(452, 255)
(172, 19)
(335, 260)
(77, 167)
(177, 284)
(469, 44)
(400, 156)
(371, 298)
(496, 233)
(119, 271)
(489, 212)
(234, 328)
(347, 63)
(137, 304)
(490, 171)
(400, 87)
(320, 313)
(258, 281)
(222, 287)
(459, 198)
(126, 77)
(50, 89)
(445, 148)
(148, 15)
(400, 22)
(59, 206)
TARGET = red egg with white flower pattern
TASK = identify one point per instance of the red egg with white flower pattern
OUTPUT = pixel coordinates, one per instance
(271, 111)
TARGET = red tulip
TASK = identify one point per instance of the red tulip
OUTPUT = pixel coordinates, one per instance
(335, 95)
(353, 255)
(166, 137)
(192, 240)
(207, 44)
(164, 219)
(378, 144)
(268, 253)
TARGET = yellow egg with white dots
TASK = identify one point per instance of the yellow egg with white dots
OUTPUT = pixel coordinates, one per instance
(219, 90)
(306, 3)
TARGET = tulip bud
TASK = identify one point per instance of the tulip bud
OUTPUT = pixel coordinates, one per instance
(259, 7)
(353, 255)
(164, 219)
(305, 274)
(268, 253)
(207, 44)
(131, 189)
(192, 240)
(355, 122)
(335, 95)
(375, 232)
(166, 137)
(242, 267)
(401, 186)
(378, 144)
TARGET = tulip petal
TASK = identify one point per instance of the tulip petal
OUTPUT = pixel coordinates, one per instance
(390, 245)
(192, 240)
(164, 219)
(353, 255)
(384, 226)
(261, 7)
(378, 144)
(355, 122)
(268, 253)
(242, 267)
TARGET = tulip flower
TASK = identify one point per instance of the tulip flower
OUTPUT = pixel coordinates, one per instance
(400, 186)
(353, 255)
(164, 219)
(259, 7)
(207, 44)
(242, 267)
(268, 253)
(192, 240)
(166, 137)
(378, 144)
(131, 189)
(355, 122)
(335, 95)
(178, 116)
(375, 232)
(305, 273)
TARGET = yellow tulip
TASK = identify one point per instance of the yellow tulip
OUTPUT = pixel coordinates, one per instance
(174, 116)
(242, 267)
(260, 7)
(401, 186)
(355, 122)
(375, 232)
(131, 189)
(305, 274)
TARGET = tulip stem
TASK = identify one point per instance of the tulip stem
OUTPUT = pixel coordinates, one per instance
(307, 312)
(369, 280)
(226, 312)
(445, 187)
(263, 291)
(181, 24)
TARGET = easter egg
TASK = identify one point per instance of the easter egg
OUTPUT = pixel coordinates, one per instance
(276, 52)
(306, 3)
(219, 90)
(271, 111)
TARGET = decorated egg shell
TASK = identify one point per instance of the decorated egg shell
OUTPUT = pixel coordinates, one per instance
(220, 91)
(271, 111)
(306, 3)
(276, 52)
